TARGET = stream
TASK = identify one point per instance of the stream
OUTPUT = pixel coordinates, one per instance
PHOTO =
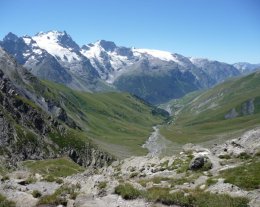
(156, 143)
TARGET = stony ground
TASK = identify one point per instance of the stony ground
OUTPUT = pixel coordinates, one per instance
(189, 170)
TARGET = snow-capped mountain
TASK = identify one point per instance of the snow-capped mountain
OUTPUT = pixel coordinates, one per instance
(108, 59)
(61, 46)
(153, 75)
(111, 61)
(53, 56)
(58, 44)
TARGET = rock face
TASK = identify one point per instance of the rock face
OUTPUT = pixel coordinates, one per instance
(20, 130)
(90, 156)
(232, 114)
(248, 107)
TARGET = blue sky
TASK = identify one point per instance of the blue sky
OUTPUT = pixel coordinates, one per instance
(224, 30)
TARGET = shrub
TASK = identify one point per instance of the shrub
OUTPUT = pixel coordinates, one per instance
(5, 177)
(127, 191)
(59, 181)
(226, 156)
(36, 194)
(50, 178)
(134, 174)
(102, 185)
(30, 180)
(244, 156)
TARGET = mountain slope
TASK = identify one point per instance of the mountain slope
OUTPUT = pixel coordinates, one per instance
(118, 122)
(157, 81)
(228, 108)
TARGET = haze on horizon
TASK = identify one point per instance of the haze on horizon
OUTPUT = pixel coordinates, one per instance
(227, 31)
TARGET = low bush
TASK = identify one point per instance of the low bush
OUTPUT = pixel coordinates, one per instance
(127, 191)
(36, 194)
(226, 156)
(102, 185)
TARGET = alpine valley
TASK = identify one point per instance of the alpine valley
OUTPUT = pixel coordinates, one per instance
(102, 125)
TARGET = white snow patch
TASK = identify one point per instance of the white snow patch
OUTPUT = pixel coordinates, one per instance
(26, 54)
(37, 51)
(27, 40)
(163, 55)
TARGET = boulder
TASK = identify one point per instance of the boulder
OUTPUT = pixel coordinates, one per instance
(200, 162)
(196, 163)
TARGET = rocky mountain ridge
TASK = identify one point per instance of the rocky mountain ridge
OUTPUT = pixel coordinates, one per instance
(103, 65)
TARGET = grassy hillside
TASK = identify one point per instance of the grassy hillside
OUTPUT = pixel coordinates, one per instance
(207, 117)
(118, 122)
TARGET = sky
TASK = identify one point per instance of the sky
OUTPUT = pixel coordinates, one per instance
(223, 30)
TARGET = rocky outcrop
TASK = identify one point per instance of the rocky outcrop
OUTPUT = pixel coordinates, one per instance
(248, 143)
(90, 156)
(23, 127)
(231, 114)
(248, 107)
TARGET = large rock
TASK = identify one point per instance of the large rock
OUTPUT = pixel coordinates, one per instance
(200, 162)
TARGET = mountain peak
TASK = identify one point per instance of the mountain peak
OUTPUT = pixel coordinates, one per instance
(10, 37)
(48, 40)
(52, 32)
(107, 45)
